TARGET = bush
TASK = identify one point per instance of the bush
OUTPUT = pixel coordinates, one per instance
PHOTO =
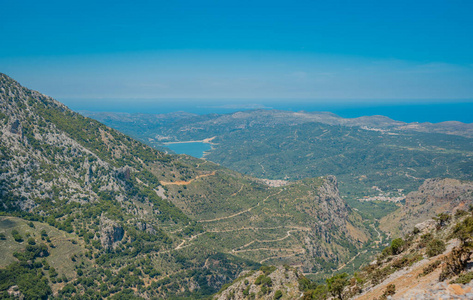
(337, 284)
(16, 236)
(390, 290)
(460, 213)
(464, 278)
(278, 294)
(442, 219)
(425, 239)
(397, 246)
(435, 247)
(430, 268)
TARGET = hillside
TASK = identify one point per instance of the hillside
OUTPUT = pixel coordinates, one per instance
(371, 156)
(142, 223)
(434, 196)
(431, 262)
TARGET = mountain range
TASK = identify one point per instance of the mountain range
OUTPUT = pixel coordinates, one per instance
(88, 212)
(136, 220)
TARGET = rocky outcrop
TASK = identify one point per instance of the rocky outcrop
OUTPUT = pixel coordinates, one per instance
(433, 197)
(441, 193)
(111, 233)
(331, 204)
(282, 283)
(441, 290)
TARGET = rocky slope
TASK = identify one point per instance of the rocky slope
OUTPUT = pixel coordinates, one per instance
(267, 283)
(163, 226)
(432, 262)
(433, 197)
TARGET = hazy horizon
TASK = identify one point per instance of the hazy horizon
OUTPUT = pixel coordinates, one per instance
(404, 111)
(217, 50)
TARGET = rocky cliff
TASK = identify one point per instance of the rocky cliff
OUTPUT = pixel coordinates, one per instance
(433, 197)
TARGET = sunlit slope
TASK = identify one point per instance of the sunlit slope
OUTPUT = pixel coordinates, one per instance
(167, 225)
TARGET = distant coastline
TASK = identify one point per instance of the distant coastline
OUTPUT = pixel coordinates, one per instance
(206, 141)
(433, 112)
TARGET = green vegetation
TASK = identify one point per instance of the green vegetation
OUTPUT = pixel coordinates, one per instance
(435, 247)
(396, 247)
(104, 216)
(276, 149)
(16, 235)
(372, 210)
(464, 278)
(28, 277)
(337, 284)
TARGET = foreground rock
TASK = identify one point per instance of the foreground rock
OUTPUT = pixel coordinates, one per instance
(267, 283)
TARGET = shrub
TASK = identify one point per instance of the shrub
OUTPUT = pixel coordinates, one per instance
(277, 294)
(425, 239)
(337, 283)
(442, 219)
(460, 213)
(430, 268)
(16, 236)
(397, 246)
(390, 290)
(435, 247)
(464, 278)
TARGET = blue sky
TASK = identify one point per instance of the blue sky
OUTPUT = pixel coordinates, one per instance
(375, 50)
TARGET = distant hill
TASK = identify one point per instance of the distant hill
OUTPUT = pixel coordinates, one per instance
(371, 156)
(267, 118)
(136, 222)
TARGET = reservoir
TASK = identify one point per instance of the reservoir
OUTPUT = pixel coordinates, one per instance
(195, 149)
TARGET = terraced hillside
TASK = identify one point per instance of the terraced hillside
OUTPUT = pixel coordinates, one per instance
(141, 223)
(433, 261)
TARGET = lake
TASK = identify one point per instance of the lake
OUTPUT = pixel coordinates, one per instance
(195, 149)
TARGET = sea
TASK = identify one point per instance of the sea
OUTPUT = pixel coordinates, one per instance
(406, 111)
(195, 149)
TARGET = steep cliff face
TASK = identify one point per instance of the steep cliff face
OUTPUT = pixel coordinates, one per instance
(441, 194)
(433, 197)
(332, 210)
(111, 233)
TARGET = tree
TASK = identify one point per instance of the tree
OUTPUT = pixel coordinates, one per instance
(442, 219)
(337, 284)
(397, 246)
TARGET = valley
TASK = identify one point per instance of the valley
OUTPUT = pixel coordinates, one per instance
(134, 222)
(150, 224)
(373, 157)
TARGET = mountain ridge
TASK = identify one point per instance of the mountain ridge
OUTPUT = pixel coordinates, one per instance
(106, 191)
